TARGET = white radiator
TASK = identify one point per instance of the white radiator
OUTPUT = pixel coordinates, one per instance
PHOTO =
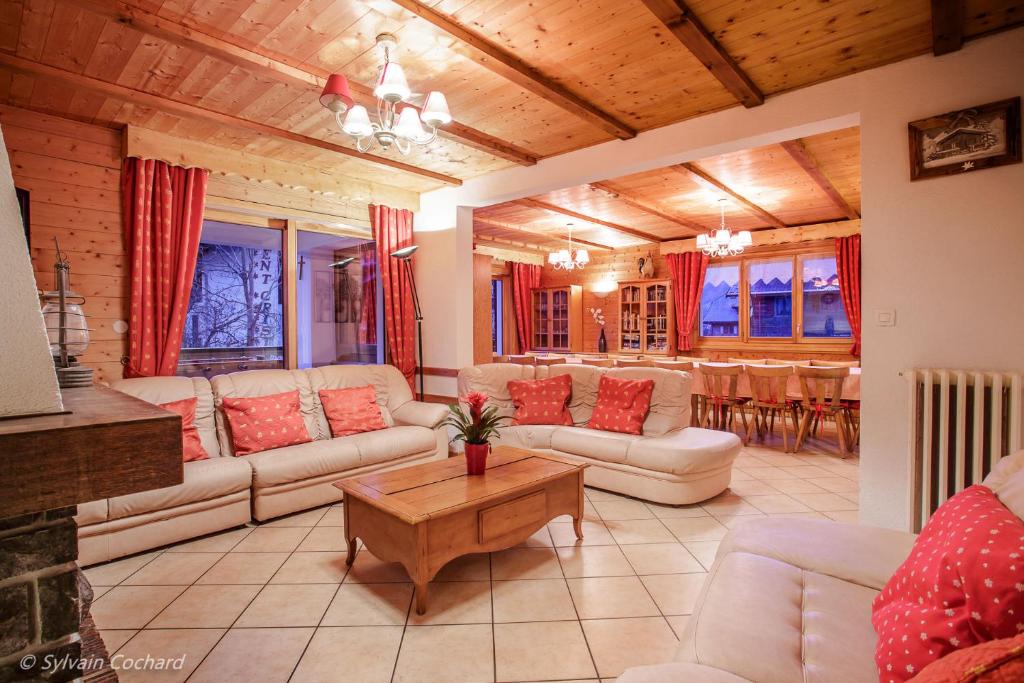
(961, 423)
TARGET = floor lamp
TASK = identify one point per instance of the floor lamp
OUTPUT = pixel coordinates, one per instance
(405, 256)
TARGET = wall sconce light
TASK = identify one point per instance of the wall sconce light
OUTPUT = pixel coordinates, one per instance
(605, 286)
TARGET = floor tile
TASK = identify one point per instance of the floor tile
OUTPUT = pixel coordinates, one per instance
(476, 567)
(271, 540)
(325, 538)
(678, 623)
(97, 591)
(611, 597)
(799, 515)
(729, 505)
(541, 651)
(752, 487)
(776, 503)
(307, 518)
(770, 473)
(453, 654)
(594, 533)
(173, 569)
(368, 569)
(539, 539)
(661, 558)
(673, 511)
(114, 638)
(532, 600)
(597, 560)
(335, 516)
(797, 486)
(735, 521)
(808, 471)
(639, 531)
(618, 644)
(267, 655)
(617, 510)
(369, 604)
(235, 568)
(525, 563)
(206, 607)
(132, 606)
(113, 573)
(456, 602)
(836, 484)
(191, 645)
(215, 543)
(312, 567)
(288, 605)
(704, 551)
(594, 495)
(364, 653)
(696, 529)
(674, 593)
(825, 502)
(845, 516)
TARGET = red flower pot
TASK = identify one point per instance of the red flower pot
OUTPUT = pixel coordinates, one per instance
(476, 457)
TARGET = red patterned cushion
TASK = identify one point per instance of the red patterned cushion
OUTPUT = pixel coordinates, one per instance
(962, 584)
(191, 446)
(352, 410)
(266, 422)
(541, 401)
(997, 661)
(622, 404)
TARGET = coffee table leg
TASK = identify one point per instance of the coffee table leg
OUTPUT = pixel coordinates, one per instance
(421, 597)
(577, 526)
(577, 521)
(351, 551)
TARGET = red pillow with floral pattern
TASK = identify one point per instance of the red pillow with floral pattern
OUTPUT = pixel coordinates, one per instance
(541, 401)
(622, 405)
(352, 410)
(191, 447)
(962, 584)
(265, 422)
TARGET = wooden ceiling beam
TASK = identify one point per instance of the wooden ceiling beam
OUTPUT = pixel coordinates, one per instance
(191, 111)
(768, 238)
(802, 156)
(696, 171)
(646, 207)
(688, 30)
(276, 69)
(544, 206)
(538, 233)
(947, 26)
(507, 65)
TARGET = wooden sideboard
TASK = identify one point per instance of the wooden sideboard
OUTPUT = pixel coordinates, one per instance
(647, 321)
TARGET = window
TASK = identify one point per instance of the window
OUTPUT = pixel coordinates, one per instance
(824, 315)
(236, 315)
(720, 302)
(770, 298)
(497, 316)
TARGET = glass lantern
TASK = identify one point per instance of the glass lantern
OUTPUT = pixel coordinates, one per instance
(66, 327)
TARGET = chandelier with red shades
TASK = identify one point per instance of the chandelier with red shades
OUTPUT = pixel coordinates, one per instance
(395, 125)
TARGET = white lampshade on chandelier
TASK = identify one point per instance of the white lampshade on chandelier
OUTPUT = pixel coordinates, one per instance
(723, 242)
(569, 259)
(395, 125)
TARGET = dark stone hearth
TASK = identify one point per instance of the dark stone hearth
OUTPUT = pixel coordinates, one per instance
(19, 521)
(37, 550)
(58, 605)
(15, 626)
(51, 665)
(61, 513)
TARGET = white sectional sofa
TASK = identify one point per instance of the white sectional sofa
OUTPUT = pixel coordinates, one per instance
(669, 462)
(226, 491)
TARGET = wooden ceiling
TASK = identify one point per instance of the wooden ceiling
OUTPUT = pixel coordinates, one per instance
(524, 80)
(799, 182)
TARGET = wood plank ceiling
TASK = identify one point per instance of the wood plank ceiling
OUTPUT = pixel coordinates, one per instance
(524, 80)
(799, 182)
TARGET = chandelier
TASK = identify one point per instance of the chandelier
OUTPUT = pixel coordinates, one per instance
(569, 259)
(723, 242)
(402, 129)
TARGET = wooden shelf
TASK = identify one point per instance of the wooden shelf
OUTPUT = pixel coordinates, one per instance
(647, 318)
(557, 319)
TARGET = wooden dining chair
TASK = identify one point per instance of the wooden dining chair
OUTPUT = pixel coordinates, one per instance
(692, 359)
(720, 400)
(768, 384)
(550, 360)
(633, 363)
(598, 362)
(499, 359)
(523, 360)
(784, 361)
(821, 391)
(682, 366)
(748, 361)
(835, 363)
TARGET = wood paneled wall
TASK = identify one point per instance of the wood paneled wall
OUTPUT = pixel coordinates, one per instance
(72, 171)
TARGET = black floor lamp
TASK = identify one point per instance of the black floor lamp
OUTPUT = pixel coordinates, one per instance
(405, 255)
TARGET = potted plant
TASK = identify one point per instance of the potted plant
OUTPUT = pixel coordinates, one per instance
(476, 429)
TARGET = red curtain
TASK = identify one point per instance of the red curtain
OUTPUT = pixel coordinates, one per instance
(392, 230)
(525, 278)
(368, 321)
(687, 283)
(163, 219)
(848, 271)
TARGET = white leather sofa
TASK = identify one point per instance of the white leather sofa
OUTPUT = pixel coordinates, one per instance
(789, 600)
(670, 462)
(226, 491)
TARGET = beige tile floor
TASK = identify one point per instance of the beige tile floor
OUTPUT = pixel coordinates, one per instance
(277, 603)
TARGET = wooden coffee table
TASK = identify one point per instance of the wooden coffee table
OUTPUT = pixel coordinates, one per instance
(427, 515)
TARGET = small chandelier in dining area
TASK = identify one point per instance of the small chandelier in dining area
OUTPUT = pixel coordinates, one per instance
(723, 242)
(569, 259)
(401, 128)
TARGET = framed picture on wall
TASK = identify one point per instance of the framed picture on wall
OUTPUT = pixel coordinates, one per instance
(967, 140)
(323, 296)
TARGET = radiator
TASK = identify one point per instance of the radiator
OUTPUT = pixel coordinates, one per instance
(961, 423)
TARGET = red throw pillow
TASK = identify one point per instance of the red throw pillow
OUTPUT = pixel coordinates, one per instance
(962, 584)
(997, 661)
(541, 401)
(265, 422)
(352, 411)
(191, 446)
(622, 404)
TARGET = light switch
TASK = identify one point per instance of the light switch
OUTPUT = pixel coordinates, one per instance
(885, 318)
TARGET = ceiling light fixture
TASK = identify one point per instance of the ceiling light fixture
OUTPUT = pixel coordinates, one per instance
(569, 259)
(402, 129)
(722, 242)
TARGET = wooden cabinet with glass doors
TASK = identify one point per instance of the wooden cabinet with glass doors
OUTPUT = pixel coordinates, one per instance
(647, 323)
(557, 317)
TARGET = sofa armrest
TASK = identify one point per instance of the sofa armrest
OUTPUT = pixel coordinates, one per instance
(420, 414)
(676, 672)
(859, 554)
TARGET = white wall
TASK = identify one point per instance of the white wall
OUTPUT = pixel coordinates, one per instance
(946, 254)
(27, 376)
